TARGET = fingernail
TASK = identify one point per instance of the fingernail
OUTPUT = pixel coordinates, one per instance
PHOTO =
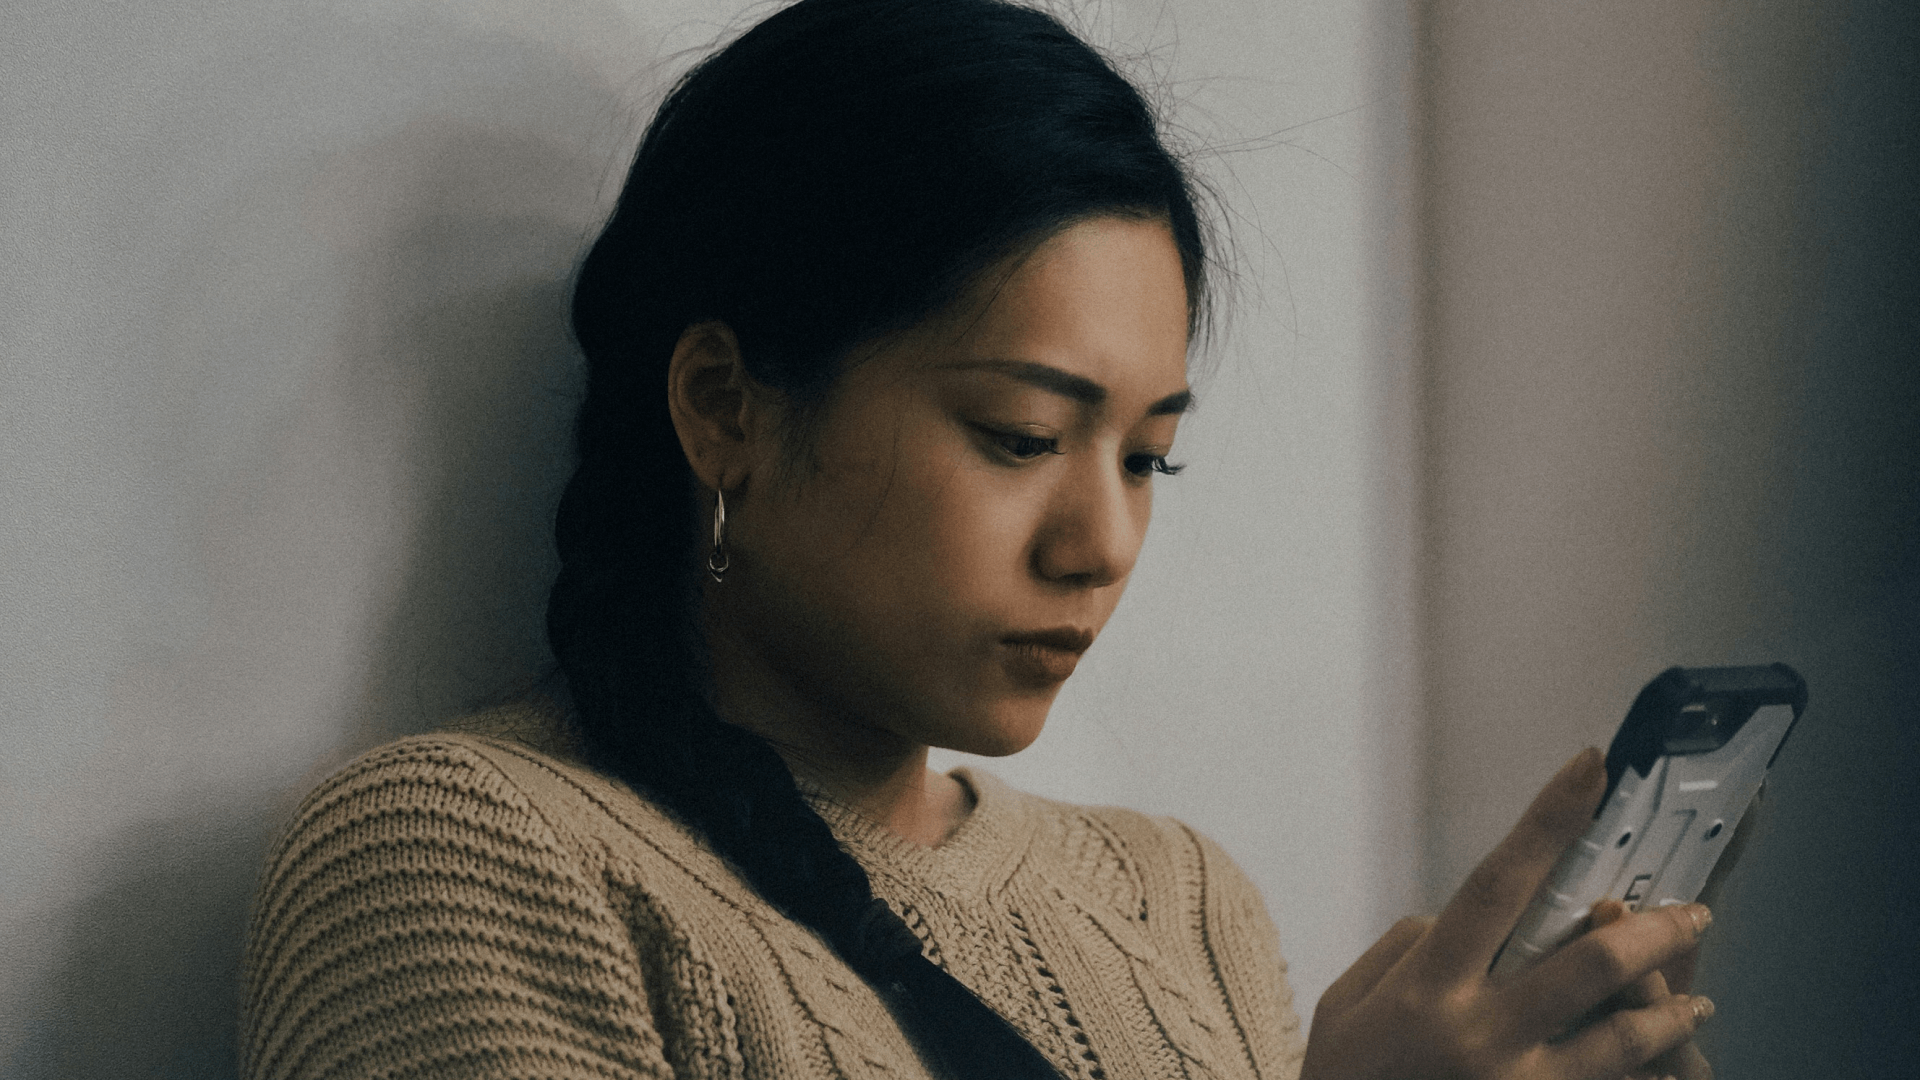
(1702, 917)
(1702, 1008)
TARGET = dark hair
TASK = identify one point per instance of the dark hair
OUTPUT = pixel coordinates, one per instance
(843, 169)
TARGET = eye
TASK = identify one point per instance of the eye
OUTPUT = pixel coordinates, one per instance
(1028, 446)
(1021, 445)
(1148, 464)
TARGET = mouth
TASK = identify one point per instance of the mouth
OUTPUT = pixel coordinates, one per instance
(1044, 658)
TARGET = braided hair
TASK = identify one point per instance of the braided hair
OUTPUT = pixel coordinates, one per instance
(842, 170)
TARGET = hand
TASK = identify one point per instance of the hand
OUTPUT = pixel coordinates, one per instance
(1420, 1004)
(1683, 1062)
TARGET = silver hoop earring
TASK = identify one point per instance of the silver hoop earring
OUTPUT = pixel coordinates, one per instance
(718, 560)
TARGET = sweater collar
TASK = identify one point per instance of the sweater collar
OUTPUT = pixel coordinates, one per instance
(973, 864)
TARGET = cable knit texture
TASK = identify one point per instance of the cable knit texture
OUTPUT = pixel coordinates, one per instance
(465, 905)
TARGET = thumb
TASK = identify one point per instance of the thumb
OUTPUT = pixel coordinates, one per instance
(1483, 911)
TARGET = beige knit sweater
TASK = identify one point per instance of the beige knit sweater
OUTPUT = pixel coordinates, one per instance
(461, 905)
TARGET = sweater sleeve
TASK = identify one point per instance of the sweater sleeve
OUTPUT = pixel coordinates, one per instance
(422, 918)
(1245, 950)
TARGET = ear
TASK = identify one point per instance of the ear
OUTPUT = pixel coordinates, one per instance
(718, 411)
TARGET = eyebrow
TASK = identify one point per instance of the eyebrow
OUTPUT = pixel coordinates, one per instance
(1076, 387)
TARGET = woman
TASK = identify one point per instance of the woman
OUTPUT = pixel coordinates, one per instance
(886, 344)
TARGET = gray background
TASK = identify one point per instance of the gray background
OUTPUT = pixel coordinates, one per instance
(1571, 341)
(1673, 413)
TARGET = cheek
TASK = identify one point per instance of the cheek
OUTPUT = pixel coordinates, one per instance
(895, 532)
(972, 528)
(918, 560)
(892, 582)
(940, 546)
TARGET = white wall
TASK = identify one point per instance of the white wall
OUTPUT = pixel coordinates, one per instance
(285, 380)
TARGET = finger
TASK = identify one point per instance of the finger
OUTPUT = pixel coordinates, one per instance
(1597, 966)
(1373, 965)
(1482, 913)
(1678, 972)
(1628, 1040)
(1650, 988)
(1605, 912)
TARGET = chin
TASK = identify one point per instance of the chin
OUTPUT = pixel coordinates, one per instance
(1008, 728)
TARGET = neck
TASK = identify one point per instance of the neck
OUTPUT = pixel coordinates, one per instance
(879, 774)
(901, 794)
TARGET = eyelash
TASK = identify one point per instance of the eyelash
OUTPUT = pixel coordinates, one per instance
(1023, 447)
(1147, 464)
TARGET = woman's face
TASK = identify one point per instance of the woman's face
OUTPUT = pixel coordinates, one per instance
(974, 496)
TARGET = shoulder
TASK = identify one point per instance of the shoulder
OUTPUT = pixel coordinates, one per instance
(414, 775)
(494, 787)
(429, 816)
(440, 785)
(461, 822)
(409, 792)
(500, 793)
(426, 888)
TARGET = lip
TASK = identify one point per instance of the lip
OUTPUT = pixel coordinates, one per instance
(1044, 658)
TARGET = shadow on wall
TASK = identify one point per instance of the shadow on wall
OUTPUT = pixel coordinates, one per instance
(454, 243)
(469, 312)
(147, 985)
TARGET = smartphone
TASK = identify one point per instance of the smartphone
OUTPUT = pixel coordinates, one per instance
(1683, 768)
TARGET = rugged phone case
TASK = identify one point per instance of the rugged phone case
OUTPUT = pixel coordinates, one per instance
(1682, 769)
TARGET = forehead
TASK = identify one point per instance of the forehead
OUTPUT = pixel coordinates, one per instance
(1103, 300)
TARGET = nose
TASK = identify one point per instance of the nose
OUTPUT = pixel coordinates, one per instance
(1092, 532)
